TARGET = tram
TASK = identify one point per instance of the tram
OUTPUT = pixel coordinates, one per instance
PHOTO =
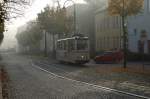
(73, 50)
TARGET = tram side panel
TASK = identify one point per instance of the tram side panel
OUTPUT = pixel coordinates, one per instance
(64, 56)
(73, 57)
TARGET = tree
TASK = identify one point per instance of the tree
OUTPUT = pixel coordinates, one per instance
(10, 9)
(55, 21)
(31, 36)
(96, 3)
(124, 8)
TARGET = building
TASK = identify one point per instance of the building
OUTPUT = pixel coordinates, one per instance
(107, 31)
(47, 42)
(137, 25)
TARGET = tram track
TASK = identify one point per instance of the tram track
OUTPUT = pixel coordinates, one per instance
(52, 66)
(57, 68)
(61, 73)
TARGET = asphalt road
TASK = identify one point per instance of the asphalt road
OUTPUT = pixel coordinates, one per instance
(29, 82)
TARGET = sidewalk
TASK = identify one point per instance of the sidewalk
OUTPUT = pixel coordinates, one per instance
(134, 78)
(132, 67)
(3, 83)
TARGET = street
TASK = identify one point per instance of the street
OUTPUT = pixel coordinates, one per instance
(74, 49)
(29, 82)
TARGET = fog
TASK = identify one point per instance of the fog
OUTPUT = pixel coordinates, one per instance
(9, 39)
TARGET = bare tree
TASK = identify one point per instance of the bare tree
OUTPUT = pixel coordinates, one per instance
(10, 9)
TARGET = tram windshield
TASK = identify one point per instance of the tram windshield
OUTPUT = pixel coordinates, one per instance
(72, 44)
(82, 44)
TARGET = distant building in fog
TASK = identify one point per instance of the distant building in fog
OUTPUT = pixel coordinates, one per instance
(30, 48)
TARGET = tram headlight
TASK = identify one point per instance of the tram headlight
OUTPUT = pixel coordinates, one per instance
(82, 57)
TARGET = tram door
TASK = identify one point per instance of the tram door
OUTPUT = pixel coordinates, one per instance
(61, 50)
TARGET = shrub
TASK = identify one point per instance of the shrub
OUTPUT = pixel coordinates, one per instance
(138, 57)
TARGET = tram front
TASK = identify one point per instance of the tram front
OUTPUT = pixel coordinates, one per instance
(82, 50)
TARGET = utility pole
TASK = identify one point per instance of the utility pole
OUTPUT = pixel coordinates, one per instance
(54, 52)
(74, 13)
(45, 42)
(74, 18)
(124, 35)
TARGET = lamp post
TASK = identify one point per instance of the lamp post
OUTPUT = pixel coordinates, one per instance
(45, 42)
(74, 13)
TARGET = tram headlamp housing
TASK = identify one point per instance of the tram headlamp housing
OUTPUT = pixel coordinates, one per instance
(82, 57)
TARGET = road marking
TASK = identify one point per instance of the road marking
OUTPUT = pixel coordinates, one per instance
(93, 85)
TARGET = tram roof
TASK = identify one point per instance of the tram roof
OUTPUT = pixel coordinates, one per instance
(75, 38)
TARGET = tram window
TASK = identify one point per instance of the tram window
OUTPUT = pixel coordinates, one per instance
(71, 44)
(82, 44)
(64, 45)
(59, 46)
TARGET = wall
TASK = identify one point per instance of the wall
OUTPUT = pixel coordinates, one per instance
(135, 25)
(108, 31)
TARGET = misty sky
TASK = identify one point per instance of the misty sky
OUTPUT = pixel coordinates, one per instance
(30, 13)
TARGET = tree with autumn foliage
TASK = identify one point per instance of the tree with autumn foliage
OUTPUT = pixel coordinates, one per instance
(55, 20)
(125, 8)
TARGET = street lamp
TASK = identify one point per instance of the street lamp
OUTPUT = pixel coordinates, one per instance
(74, 13)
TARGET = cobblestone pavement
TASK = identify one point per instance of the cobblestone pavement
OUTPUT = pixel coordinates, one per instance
(28, 82)
(108, 75)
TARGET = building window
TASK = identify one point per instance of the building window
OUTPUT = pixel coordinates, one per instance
(113, 43)
(149, 46)
(135, 32)
(140, 47)
(118, 43)
(114, 22)
(97, 44)
(100, 26)
(104, 43)
(108, 42)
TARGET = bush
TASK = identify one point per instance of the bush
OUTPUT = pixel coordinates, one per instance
(138, 57)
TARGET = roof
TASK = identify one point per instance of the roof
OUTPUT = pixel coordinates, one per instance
(76, 38)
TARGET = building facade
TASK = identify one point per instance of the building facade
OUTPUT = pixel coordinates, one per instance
(48, 44)
(107, 31)
(139, 30)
